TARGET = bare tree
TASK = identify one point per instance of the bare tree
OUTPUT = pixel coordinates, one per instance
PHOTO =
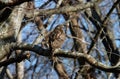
(64, 39)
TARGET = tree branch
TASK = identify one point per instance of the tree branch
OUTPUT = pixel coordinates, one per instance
(68, 54)
(65, 9)
(101, 29)
(17, 59)
(9, 3)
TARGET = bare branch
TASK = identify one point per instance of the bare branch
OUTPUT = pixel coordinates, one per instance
(9, 3)
(68, 54)
(17, 59)
(65, 9)
(101, 29)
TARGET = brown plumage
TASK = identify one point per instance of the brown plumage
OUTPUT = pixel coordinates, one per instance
(56, 38)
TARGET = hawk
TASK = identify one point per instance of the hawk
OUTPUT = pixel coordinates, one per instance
(55, 38)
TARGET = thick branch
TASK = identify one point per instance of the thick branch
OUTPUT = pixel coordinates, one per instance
(12, 60)
(88, 58)
(65, 9)
(9, 3)
(68, 54)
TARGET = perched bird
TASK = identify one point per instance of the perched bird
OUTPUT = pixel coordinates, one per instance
(55, 38)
